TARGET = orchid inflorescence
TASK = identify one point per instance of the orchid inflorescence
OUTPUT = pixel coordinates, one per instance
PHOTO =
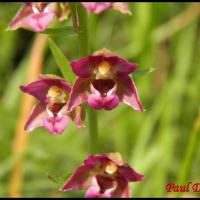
(103, 82)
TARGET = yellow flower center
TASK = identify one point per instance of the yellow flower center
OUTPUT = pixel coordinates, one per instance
(111, 168)
(56, 94)
(103, 71)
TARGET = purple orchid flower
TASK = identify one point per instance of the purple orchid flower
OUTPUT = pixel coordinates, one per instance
(99, 7)
(51, 113)
(38, 16)
(104, 175)
(103, 82)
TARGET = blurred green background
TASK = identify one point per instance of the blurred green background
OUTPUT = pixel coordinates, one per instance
(162, 143)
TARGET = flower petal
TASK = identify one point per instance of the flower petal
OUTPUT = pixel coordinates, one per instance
(120, 66)
(38, 22)
(25, 18)
(78, 179)
(84, 66)
(17, 21)
(78, 116)
(110, 102)
(96, 160)
(92, 192)
(123, 67)
(122, 7)
(36, 117)
(39, 88)
(96, 7)
(79, 93)
(99, 88)
(56, 125)
(127, 93)
(122, 190)
(129, 173)
(95, 101)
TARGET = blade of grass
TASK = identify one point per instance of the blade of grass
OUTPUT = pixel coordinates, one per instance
(61, 61)
(191, 150)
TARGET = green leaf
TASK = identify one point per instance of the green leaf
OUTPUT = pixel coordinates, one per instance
(61, 31)
(61, 61)
(142, 72)
(59, 180)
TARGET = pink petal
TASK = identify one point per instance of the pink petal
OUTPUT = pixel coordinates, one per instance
(107, 103)
(38, 22)
(110, 102)
(25, 18)
(92, 192)
(97, 101)
(56, 125)
(36, 117)
(128, 94)
(17, 21)
(79, 93)
(96, 7)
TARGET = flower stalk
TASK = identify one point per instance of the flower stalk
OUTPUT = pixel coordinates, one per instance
(80, 20)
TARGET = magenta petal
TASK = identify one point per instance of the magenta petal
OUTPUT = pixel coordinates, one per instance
(95, 101)
(121, 66)
(79, 93)
(96, 7)
(36, 117)
(38, 22)
(128, 94)
(82, 67)
(124, 67)
(77, 180)
(130, 174)
(111, 102)
(39, 88)
(108, 103)
(92, 192)
(56, 125)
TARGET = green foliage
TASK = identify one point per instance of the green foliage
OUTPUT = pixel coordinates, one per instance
(61, 61)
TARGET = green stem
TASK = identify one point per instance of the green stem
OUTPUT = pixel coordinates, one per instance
(80, 20)
(93, 130)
